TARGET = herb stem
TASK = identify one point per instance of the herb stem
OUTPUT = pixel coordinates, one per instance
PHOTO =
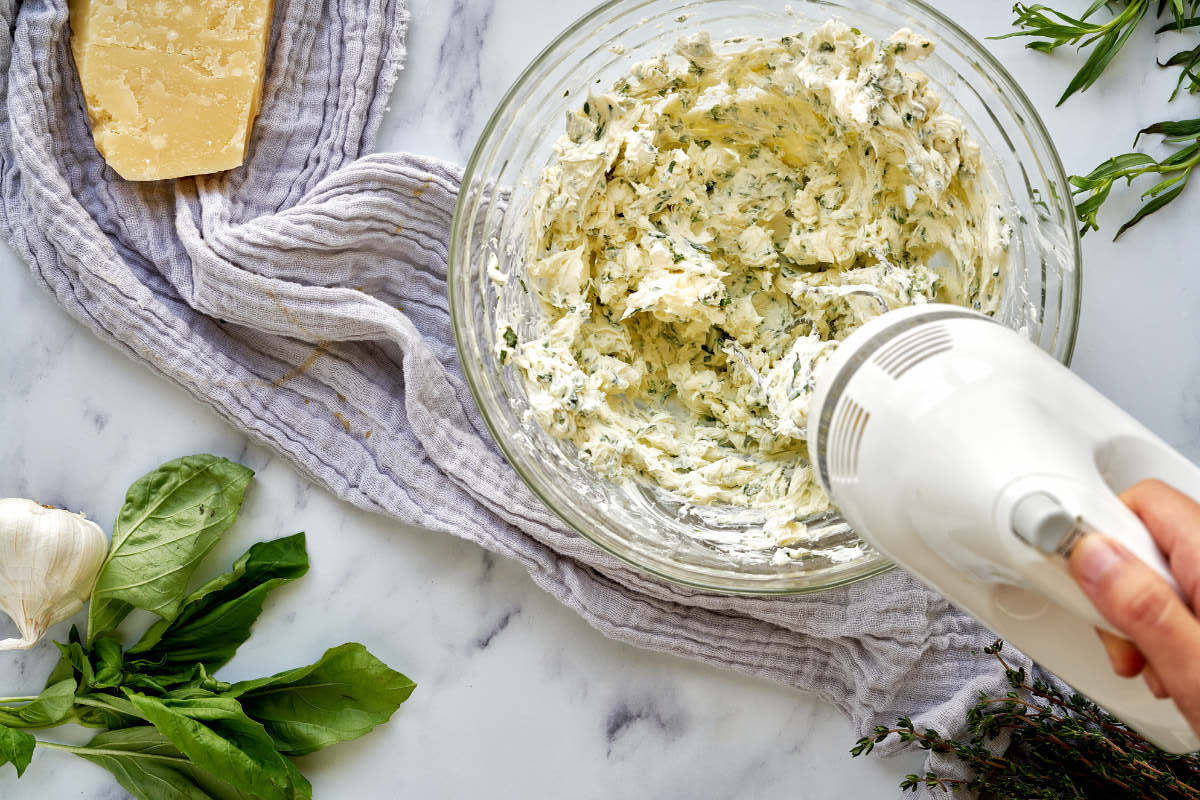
(116, 705)
(1141, 746)
(87, 700)
(10, 700)
(101, 751)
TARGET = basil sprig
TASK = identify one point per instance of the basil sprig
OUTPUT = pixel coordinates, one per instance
(172, 730)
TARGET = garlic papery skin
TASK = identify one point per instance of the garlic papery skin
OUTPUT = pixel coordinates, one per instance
(49, 560)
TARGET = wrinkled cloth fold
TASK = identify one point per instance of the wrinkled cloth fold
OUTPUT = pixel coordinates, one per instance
(303, 297)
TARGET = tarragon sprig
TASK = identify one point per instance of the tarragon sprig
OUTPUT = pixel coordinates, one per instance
(1187, 60)
(1051, 29)
(1174, 171)
(1054, 29)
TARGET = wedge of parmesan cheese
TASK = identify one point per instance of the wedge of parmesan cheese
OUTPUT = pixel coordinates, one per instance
(172, 86)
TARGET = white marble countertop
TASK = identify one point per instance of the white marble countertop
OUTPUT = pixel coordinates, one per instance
(517, 697)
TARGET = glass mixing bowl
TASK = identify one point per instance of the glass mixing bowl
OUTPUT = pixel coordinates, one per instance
(637, 522)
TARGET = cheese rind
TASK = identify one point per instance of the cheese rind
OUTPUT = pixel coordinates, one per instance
(172, 86)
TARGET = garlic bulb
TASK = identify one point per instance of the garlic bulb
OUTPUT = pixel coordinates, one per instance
(49, 560)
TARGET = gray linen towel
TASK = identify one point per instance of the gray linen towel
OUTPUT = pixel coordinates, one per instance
(303, 297)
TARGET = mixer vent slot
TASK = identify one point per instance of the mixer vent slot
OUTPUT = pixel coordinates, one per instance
(848, 428)
(911, 349)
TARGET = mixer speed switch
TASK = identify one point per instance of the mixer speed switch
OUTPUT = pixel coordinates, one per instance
(1044, 524)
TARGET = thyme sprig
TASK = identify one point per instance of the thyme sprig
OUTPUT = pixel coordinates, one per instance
(1061, 747)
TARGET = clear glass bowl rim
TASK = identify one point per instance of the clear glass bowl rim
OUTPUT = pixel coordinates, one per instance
(879, 564)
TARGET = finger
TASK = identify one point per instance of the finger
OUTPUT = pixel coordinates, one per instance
(1127, 660)
(1173, 519)
(1140, 604)
(1154, 683)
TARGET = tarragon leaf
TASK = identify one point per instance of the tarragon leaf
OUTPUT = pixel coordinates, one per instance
(1149, 208)
(1182, 24)
(1173, 128)
(1053, 29)
(1104, 52)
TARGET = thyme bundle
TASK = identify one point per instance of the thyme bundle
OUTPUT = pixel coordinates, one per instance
(1062, 747)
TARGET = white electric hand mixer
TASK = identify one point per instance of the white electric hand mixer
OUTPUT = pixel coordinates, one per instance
(973, 459)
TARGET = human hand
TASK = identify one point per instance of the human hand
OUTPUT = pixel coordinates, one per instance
(1163, 635)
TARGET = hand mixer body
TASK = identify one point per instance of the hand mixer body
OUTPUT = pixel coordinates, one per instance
(971, 458)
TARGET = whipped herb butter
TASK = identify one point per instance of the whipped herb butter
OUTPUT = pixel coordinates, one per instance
(711, 228)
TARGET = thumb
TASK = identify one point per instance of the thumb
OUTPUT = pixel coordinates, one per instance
(1141, 605)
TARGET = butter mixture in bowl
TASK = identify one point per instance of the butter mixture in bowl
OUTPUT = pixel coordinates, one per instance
(710, 229)
(642, 297)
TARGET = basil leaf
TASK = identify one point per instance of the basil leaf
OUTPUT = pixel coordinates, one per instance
(16, 747)
(149, 767)
(63, 670)
(50, 708)
(98, 669)
(171, 518)
(190, 693)
(216, 619)
(75, 657)
(186, 682)
(103, 710)
(70, 661)
(341, 697)
(108, 662)
(215, 734)
(99, 710)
